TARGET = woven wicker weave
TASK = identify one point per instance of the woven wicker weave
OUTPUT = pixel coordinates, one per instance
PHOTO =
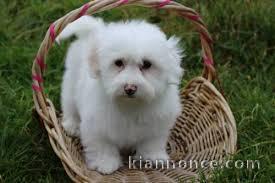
(205, 130)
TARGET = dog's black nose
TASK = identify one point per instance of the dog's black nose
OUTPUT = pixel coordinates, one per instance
(130, 89)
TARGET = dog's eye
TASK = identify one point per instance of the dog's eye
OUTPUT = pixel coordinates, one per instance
(146, 65)
(119, 63)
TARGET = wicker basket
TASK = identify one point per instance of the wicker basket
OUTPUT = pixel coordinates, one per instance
(205, 130)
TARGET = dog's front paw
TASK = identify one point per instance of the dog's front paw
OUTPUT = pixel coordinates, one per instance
(105, 164)
(71, 127)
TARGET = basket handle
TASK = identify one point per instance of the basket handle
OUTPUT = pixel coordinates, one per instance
(92, 7)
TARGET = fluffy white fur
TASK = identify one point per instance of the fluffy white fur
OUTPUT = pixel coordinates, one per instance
(94, 102)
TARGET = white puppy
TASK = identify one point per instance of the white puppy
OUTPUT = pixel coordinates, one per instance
(120, 89)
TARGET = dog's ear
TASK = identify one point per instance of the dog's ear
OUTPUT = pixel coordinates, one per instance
(94, 62)
(176, 55)
(175, 49)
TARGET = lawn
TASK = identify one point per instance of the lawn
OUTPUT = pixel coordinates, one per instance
(244, 51)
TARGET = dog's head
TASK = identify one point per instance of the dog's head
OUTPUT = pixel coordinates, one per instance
(134, 60)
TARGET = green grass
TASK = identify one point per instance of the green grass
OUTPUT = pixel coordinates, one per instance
(244, 34)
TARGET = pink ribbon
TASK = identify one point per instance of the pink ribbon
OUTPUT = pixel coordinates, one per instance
(193, 17)
(207, 60)
(36, 88)
(40, 62)
(83, 10)
(52, 32)
(197, 19)
(38, 78)
(163, 3)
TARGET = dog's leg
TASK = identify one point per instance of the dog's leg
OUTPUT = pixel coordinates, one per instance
(153, 149)
(102, 156)
(71, 119)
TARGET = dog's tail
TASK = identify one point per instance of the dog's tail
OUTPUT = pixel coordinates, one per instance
(81, 28)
